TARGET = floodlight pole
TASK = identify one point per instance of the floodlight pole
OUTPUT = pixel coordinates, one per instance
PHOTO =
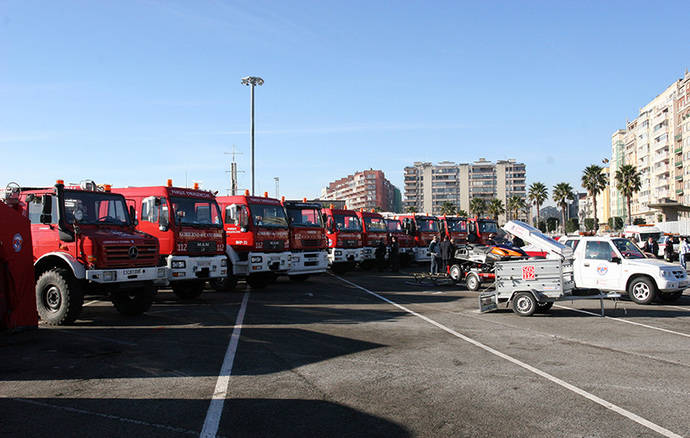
(252, 81)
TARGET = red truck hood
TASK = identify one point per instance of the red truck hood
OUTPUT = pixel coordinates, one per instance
(272, 240)
(307, 238)
(372, 238)
(425, 238)
(117, 248)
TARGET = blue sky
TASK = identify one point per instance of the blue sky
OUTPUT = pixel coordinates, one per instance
(135, 92)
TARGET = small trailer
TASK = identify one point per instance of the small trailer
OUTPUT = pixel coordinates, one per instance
(529, 286)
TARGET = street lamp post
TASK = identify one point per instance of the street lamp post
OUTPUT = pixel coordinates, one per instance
(252, 81)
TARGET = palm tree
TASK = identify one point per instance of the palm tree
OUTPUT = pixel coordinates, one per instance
(477, 206)
(411, 209)
(594, 181)
(562, 193)
(628, 182)
(496, 208)
(462, 213)
(515, 204)
(538, 193)
(448, 208)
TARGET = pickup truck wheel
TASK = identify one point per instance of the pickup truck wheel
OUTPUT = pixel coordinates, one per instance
(188, 290)
(133, 302)
(472, 282)
(456, 272)
(59, 297)
(544, 307)
(670, 297)
(299, 278)
(524, 304)
(224, 284)
(642, 290)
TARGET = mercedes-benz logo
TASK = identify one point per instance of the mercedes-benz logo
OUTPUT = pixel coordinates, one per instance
(133, 252)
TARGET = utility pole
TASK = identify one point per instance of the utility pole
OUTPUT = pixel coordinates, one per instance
(233, 170)
(277, 180)
(251, 81)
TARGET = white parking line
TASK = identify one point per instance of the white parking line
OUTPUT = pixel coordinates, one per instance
(215, 409)
(608, 405)
(625, 321)
(89, 303)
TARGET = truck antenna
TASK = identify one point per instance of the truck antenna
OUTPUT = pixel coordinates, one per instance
(233, 170)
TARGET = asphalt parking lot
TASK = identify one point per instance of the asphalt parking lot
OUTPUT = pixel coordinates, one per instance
(366, 354)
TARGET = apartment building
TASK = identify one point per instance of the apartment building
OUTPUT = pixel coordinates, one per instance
(429, 186)
(653, 143)
(367, 189)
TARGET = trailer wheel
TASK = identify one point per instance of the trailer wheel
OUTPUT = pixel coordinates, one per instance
(455, 272)
(299, 278)
(133, 302)
(524, 304)
(642, 290)
(258, 281)
(670, 297)
(187, 290)
(59, 297)
(224, 284)
(472, 281)
(544, 307)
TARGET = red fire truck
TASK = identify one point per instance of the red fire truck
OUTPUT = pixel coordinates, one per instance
(258, 247)
(454, 228)
(188, 225)
(405, 241)
(423, 228)
(373, 230)
(481, 230)
(85, 242)
(307, 239)
(344, 234)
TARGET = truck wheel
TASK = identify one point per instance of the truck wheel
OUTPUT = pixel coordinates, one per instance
(224, 284)
(524, 304)
(472, 282)
(299, 278)
(642, 290)
(257, 281)
(59, 297)
(670, 297)
(544, 307)
(456, 272)
(187, 290)
(133, 302)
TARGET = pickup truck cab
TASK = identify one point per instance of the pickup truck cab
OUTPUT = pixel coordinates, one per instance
(617, 264)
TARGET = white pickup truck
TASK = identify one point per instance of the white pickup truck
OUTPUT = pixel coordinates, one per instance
(616, 264)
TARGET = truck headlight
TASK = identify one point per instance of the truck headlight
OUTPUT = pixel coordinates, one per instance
(256, 259)
(338, 252)
(224, 263)
(667, 274)
(179, 264)
(109, 276)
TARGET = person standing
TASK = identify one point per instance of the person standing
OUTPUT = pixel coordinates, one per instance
(683, 250)
(395, 254)
(445, 248)
(433, 252)
(651, 247)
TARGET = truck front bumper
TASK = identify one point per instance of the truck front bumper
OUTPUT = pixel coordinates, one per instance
(310, 262)
(421, 254)
(368, 253)
(672, 285)
(152, 273)
(269, 262)
(344, 255)
(197, 267)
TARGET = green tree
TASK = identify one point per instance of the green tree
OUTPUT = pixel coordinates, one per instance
(538, 193)
(594, 181)
(515, 204)
(639, 221)
(411, 209)
(462, 213)
(542, 226)
(496, 208)
(477, 206)
(572, 225)
(628, 182)
(615, 223)
(448, 208)
(552, 224)
(589, 224)
(562, 193)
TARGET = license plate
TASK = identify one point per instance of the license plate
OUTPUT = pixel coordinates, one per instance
(132, 271)
(204, 263)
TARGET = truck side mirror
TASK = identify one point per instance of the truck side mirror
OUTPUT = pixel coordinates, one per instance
(616, 260)
(46, 209)
(133, 216)
(243, 217)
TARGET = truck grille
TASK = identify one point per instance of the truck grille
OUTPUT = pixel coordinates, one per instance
(310, 243)
(198, 247)
(119, 255)
(273, 245)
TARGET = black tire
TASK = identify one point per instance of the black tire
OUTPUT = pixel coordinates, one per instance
(642, 290)
(299, 278)
(524, 304)
(473, 282)
(544, 307)
(670, 297)
(59, 297)
(258, 281)
(455, 272)
(226, 284)
(188, 290)
(133, 302)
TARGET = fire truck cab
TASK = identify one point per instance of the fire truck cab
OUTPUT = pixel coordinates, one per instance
(307, 239)
(422, 228)
(344, 237)
(481, 230)
(454, 228)
(188, 225)
(374, 230)
(85, 242)
(258, 247)
(405, 241)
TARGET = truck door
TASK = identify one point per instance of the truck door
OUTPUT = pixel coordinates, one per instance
(597, 270)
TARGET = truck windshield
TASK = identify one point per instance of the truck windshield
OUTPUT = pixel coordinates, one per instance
(645, 236)
(427, 224)
(347, 223)
(488, 227)
(393, 226)
(374, 224)
(628, 249)
(304, 217)
(456, 225)
(268, 216)
(95, 208)
(196, 212)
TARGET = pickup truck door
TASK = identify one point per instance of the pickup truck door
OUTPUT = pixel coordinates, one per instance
(597, 271)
